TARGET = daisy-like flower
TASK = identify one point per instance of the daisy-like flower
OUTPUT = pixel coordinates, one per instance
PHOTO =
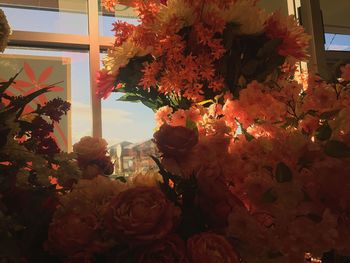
(247, 15)
(295, 41)
(119, 56)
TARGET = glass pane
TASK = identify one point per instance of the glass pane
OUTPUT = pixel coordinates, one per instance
(54, 16)
(128, 128)
(337, 42)
(77, 78)
(107, 18)
(336, 24)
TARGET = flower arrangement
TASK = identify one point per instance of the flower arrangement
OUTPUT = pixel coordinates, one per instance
(253, 165)
(256, 161)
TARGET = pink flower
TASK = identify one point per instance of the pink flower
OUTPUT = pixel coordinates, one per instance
(163, 115)
(345, 72)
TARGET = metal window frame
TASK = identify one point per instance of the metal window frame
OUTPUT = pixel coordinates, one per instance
(92, 43)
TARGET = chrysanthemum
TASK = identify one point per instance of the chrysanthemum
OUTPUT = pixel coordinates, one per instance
(247, 15)
(119, 56)
(295, 41)
(5, 31)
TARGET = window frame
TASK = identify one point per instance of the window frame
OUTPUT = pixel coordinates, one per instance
(92, 43)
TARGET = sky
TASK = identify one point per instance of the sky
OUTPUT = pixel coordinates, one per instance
(122, 121)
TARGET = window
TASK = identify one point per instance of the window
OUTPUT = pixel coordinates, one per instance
(56, 16)
(80, 30)
(78, 80)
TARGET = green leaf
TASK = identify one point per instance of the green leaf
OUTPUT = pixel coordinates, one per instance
(283, 173)
(191, 124)
(129, 97)
(269, 47)
(329, 114)
(324, 132)
(337, 149)
(269, 196)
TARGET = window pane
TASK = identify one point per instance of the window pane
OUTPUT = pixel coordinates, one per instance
(128, 128)
(337, 42)
(55, 16)
(107, 18)
(78, 79)
(336, 24)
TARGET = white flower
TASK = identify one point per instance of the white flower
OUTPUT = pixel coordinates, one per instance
(119, 56)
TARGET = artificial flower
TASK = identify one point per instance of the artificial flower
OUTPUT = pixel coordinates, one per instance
(173, 141)
(140, 214)
(211, 248)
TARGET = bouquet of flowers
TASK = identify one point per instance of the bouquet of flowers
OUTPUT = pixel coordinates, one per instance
(254, 161)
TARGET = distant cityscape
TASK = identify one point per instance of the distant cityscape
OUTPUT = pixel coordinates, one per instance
(130, 158)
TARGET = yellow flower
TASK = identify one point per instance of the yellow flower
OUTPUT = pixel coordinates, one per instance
(245, 13)
(119, 56)
(5, 31)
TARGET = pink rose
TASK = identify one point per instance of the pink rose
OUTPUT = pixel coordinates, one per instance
(169, 250)
(175, 141)
(140, 214)
(210, 248)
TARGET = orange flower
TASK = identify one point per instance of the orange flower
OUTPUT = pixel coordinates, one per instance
(295, 41)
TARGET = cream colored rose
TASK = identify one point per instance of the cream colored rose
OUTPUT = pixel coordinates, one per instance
(151, 178)
(89, 148)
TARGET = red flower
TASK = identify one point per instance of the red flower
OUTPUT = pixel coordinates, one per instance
(105, 84)
(175, 141)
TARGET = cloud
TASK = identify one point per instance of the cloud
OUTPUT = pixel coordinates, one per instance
(339, 47)
(82, 120)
